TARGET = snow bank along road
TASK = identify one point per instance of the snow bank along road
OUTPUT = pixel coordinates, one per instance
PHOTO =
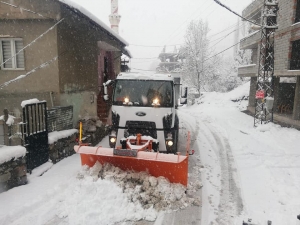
(247, 172)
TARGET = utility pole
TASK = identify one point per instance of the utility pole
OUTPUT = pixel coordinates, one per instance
(265, 82)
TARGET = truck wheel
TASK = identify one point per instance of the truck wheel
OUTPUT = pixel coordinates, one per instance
(175, 147)
(176, 131)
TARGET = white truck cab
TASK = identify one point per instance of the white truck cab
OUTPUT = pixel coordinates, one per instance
(146, 104)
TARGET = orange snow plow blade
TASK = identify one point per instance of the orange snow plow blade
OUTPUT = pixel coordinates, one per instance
(172, 167)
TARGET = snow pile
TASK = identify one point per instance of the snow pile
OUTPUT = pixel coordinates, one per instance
(143, 189)
(229, 99)
(56, 135)
(241, 92)
(262, 161)
(11, 152)
(40, 170)
(10, 121)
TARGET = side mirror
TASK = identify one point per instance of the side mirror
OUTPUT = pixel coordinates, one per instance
(183, 98)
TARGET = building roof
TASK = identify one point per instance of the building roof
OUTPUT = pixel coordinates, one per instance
(92, 17)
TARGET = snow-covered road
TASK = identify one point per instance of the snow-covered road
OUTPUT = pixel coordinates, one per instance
(246, 172)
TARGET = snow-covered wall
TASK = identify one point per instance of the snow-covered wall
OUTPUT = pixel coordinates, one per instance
(12, 167)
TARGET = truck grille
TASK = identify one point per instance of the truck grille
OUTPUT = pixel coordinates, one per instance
(143, 127)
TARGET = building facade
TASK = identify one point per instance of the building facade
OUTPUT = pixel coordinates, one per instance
(287, 57)
(65, 53)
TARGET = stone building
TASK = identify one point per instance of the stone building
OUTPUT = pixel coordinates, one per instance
(287, 59)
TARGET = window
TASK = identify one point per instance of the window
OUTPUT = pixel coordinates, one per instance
(143, 92)
(297, 15)
(9, 48)
(295, 56)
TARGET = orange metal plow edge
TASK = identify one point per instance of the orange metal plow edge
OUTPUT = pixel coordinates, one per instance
(172, 167)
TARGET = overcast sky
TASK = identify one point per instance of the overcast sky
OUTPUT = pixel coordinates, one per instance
(163, 22)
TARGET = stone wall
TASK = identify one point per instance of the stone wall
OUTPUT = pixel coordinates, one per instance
(13, 173)
(93, 130)
(62, 148)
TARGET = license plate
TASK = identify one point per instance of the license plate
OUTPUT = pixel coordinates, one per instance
(125, 152)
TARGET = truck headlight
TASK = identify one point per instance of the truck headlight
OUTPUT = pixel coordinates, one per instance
(155, 102)
(126, 101)
(112, 139)
(169, 140)
(170, 143)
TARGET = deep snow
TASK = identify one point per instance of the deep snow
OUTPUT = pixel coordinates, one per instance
(263, 162)
(246, 172)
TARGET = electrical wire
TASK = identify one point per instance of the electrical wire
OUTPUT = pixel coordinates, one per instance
(196, 11)
(51, 28)
(31, 71)
(146, 58)
(153, 46)
(228, 28)
(142, 69)
(226, 7)
(28, 10)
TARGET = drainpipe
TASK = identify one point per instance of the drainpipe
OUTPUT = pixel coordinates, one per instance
(7, 128)
(51, 97)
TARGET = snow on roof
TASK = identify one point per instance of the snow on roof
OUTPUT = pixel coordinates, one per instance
(145, 76)
(94, 18)
(9, 152)
(128, 52)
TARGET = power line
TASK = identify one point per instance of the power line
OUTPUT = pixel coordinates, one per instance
(204, 59)
(222, 38)
(32, 42)
(30, 72)
(28, 10)
(146, 58)
(228, 28)
(143, 70)
(154, 46)
(196, 11)
(226, 7)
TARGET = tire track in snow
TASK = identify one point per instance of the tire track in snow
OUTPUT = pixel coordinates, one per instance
(230, 204)
(221, 179)
(192, 214)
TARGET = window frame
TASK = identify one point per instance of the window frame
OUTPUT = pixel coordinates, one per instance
(13, 52)
(297, 12)
(293, 53)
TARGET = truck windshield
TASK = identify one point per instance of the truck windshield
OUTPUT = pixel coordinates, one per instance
(143, 93)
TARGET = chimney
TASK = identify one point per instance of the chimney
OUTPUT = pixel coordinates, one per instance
(114, 17)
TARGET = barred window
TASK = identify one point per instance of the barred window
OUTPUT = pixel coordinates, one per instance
(12, 57)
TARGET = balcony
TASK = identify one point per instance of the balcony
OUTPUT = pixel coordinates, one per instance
(253, 8)
(250, 70)
(251, 41)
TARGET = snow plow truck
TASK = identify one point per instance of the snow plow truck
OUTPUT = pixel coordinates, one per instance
(145, 126)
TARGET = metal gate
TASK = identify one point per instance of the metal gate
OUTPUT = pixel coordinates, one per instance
(35, 134)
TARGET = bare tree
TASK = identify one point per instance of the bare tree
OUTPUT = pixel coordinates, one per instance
(203, 69)
(200, 68)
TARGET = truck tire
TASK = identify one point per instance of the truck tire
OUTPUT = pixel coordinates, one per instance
(176, 131)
